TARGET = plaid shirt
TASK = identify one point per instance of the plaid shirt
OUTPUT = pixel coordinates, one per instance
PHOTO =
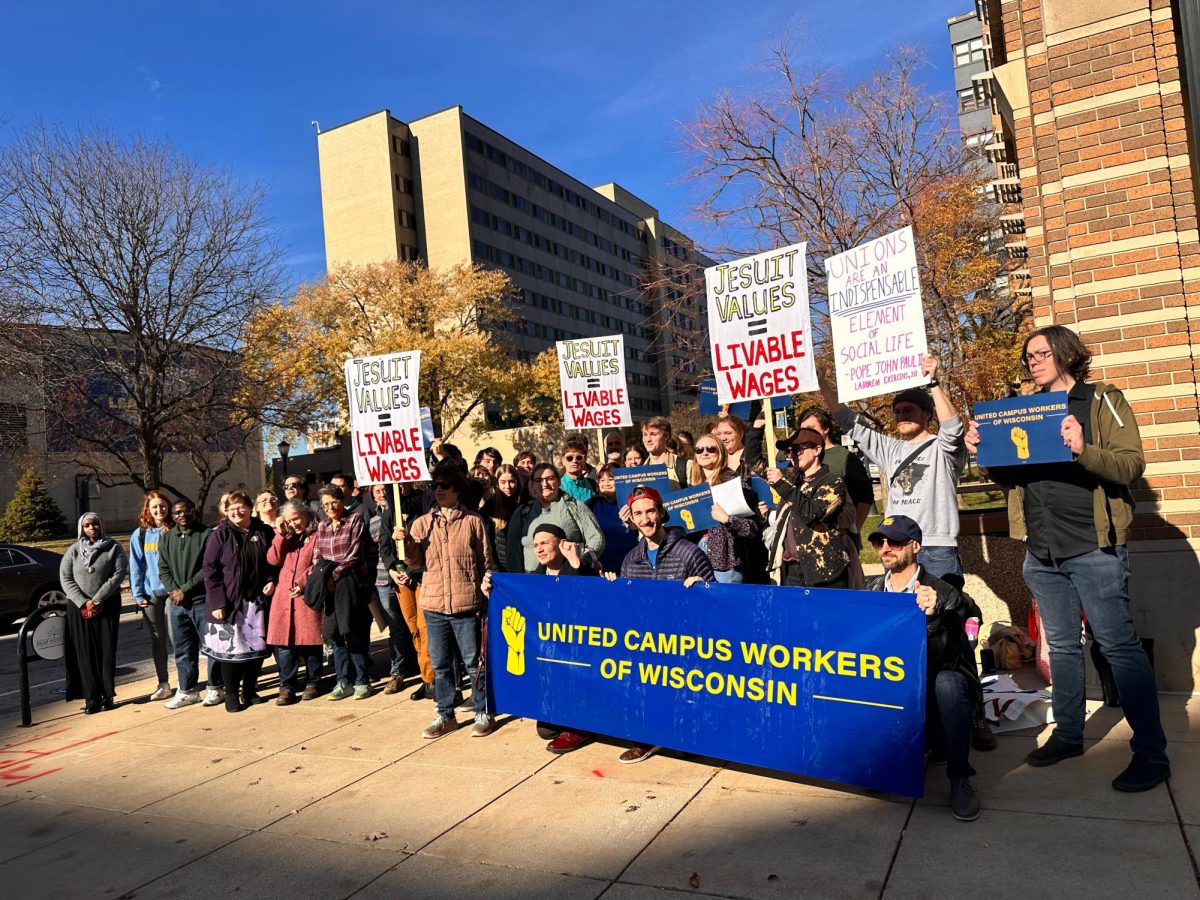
(344, 546)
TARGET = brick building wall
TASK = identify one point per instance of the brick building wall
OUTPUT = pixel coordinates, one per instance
(1091, 123)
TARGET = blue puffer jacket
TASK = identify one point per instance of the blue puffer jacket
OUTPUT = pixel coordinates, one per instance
(678, 559)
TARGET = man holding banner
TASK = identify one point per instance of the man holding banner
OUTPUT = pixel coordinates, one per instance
(922, 468)
(1074, 517)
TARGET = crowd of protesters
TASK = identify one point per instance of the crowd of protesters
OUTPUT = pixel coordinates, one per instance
(304, 580)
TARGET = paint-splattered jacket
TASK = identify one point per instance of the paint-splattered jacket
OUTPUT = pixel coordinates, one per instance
(812, 528)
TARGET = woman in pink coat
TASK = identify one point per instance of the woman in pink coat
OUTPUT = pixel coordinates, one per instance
(293, 629)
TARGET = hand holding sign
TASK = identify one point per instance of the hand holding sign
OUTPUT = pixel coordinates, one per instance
(1072, 434)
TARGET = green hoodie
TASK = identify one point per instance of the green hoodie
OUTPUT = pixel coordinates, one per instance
(181, 561)
(1115, 457)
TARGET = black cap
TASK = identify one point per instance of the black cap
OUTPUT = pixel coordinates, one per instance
(900, 529)
(916, 396)
(550, 528)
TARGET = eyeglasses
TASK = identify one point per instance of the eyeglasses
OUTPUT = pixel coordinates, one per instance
(707, 450)
(293, 485)
(547, 479)
(442, 486)
(1037, 356)
(271, 500)
(237, 509)
(574, 458)
(895, 545)
(797, 449)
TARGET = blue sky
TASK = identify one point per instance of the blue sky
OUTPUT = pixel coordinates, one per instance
(598, 89)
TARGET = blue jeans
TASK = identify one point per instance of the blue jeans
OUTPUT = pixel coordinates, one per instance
(733, 576)
(943, 563)
(952, 695)
(289, 665)
(1095, 584)
(187, 628)
(444, 633)
(397, 629)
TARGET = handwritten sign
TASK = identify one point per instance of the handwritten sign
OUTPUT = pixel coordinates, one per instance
(1022, 431)
(627, 479)
(385, 418)
(591, 373)
(876, 318)
(758, 320)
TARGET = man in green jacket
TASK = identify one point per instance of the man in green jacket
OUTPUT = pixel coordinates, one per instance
(1074, 517)
(181, 569)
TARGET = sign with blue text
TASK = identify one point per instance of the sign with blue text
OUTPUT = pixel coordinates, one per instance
(823, 683)
(1022, 431)
(651, 476)
(710, 407)
(765, 493)
(691, 508)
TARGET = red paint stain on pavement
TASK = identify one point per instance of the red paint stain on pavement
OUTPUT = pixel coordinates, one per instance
(597, 773)
(17, 758)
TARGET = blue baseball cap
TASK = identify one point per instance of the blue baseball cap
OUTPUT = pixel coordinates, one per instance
(899, 529)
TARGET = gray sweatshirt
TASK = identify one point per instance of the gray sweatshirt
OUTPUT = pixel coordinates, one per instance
(93, 571)
(926, 490)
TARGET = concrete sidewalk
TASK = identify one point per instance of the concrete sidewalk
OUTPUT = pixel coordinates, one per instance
(326, 799)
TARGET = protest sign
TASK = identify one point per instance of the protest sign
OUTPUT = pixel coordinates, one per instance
(691, 508)
(823, 683)
(731, 498)
(876, 318)
(651, 476)
(765, 493)
(591, 373)
(758, 323)
(426, 425)
(710, 407)
(1022, 431)
(385, 418)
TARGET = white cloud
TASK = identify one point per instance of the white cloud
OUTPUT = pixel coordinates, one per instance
(151, 81)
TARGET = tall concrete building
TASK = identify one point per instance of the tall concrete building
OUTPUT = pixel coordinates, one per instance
(447, 189)
(972, 100)
(1095, 116)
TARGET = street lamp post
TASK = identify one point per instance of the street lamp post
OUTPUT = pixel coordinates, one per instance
(284, 449)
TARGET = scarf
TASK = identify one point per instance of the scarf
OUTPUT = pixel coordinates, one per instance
(90, 551)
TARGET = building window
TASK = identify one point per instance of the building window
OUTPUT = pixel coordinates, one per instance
(972, 98)
(967, 52)
(407, 253)
(406, 219)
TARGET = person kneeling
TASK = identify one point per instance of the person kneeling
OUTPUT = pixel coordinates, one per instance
(953, 682)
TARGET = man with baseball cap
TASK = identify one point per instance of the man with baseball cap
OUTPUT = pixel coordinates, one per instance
(952, 681)
(661, 554)
(810, 547)
(922, 468)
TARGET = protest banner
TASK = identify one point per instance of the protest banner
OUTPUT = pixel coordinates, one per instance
(710, 407)
(758, 323)
(823, 683)
(691, 508)
(876, 318)
(591, 374)
(651, 476)
(1022, 431)
(385, 418)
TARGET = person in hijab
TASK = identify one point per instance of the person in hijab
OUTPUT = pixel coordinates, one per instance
(238, 582)
(91, 573)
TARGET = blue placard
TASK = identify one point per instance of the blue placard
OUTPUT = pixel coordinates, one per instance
(691, 508)
(764, 492)
(426, 426)
(651, 476)
(823, 683)
(1022, 431)
(710, 407)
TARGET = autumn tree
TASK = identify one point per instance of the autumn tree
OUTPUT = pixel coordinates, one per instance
(802, 159)
(457, 318)
(126, 273)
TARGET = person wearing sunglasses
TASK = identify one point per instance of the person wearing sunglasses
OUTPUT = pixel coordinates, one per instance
(809, 539)
(734, 546)
(575, 481)
(952, 680)
(1075, 519)
(450, 543)
(548, 503)
(923, 467)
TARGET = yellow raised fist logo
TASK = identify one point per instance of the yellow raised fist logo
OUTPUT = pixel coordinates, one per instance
(688, 522)
(1020, 438)
(512, 626)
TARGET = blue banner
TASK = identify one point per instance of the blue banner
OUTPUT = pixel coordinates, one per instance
(691, 508)
(710, 407)
(651, 476)
(1022, 431)
(823, 683)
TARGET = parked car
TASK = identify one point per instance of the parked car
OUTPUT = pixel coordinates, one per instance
(28, 577)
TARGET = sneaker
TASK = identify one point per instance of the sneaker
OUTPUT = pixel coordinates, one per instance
(286, 697)
(1141, 775)
(341, 691)
(362, 691)
(214, 696)
(637, 754)
(182, 698)
(440, 726)
(964, 800)
(310, 692)
(164, 692)
(395, 685)
(483, 725)
(1053, 751)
